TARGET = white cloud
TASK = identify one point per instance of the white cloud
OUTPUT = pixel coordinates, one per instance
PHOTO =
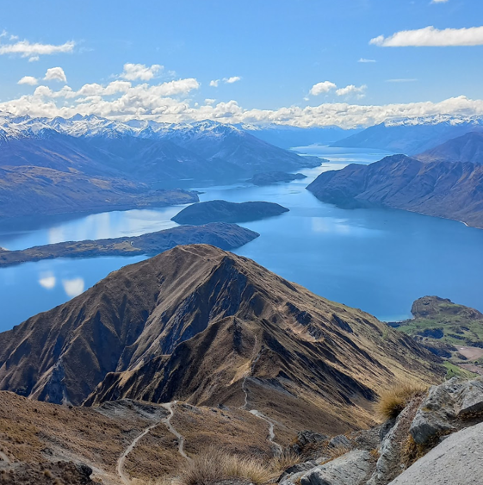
(439, 1)
(172, 102)
(32, 81)
(365, 61)
(34, 59)
(25, 49)
(55, 74)
(227, 80)
(231, 80)
(323, 87)
(73, 287)
(351, 90)
(432, 37)
(140, 72)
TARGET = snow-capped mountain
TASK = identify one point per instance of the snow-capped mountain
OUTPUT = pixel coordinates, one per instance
(157, 153)
(412, 136)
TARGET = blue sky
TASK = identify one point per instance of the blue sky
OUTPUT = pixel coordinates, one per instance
(279, 50)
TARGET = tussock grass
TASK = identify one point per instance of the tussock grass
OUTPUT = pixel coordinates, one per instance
(214, 465)
(288, 459)
(394, 399)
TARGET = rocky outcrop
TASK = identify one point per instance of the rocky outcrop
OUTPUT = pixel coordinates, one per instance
(456, 460)
(223, 211)
(353, 468)
(446, 408)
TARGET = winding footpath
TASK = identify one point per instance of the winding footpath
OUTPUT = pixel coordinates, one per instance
(167, 422)
(120, 462)
(255, 412)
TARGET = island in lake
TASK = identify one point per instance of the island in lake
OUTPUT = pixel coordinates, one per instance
(269, 178)
(224, 236)
(223, 211)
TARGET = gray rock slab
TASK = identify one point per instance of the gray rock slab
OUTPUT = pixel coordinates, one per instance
(353, 468)
(458, 460)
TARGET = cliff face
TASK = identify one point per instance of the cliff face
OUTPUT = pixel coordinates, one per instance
(199, 324)
(449, 190)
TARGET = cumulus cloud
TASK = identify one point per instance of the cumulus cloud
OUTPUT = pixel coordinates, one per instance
(140, 72)
(32, 81)
(171, 102)
(55, 74)
(439, 1)
(323, 87)
(26, 49)
(432, 37)
(34, 58)
(231, 80)
(365, 61)
(214, 83)
(351, 90)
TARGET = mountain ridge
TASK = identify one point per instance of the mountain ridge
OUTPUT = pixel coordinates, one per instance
(206, 326)
(440, 189)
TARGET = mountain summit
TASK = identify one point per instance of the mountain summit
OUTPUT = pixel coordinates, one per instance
(208, 327)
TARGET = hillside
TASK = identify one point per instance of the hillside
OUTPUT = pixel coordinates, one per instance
(224, 236)
(409, 137)
(27, 190)
(441, 189)
(144, 332)
(90, 164)
(467, 148)
(223, 211)
(41, 442)
(452, 331)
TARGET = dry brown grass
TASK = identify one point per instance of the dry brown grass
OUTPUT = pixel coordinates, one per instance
(214, 465)
(394, 399)
(288, 459)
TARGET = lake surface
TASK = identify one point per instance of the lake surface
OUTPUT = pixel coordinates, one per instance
(377, 260)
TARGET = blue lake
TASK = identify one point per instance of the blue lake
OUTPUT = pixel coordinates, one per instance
(375, 259)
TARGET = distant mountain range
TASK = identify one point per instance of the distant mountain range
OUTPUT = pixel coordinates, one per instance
(92, 164)
(467, 149)
(207, 327)
(411, 136)
(443, 189)
(293, 136)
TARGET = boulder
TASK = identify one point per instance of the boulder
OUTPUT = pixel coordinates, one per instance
(353, 468)
(340, 441)
(439, 412)
(456, 460)
(388, 465)
(470, 398)
(307, 437)
(435, 413)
